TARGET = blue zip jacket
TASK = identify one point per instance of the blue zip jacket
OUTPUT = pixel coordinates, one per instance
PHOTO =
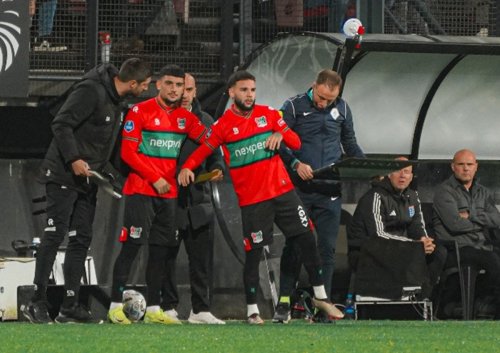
(325, 135)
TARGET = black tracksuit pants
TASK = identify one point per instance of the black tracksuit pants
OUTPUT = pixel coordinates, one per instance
(68, 213)
(199, 246)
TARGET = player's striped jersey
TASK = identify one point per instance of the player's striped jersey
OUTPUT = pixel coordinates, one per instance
(152, 138)
(258, 174)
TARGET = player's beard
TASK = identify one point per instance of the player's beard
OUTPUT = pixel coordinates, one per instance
(174, 104)
(241, 106)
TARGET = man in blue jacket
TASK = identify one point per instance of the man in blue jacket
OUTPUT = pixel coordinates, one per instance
(324, 124)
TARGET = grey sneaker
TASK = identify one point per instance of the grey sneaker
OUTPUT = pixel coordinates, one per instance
(37, 312)
(282, 314)
(204, 317)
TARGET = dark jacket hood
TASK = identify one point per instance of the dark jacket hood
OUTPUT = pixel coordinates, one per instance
(387, 186)
(196, 107)
(105, 73)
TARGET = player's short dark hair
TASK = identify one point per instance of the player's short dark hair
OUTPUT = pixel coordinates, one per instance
(172, 70)
(329, 77)
(135, 69)
(240, 75)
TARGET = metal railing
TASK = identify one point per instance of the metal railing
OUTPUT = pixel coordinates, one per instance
(210, 37)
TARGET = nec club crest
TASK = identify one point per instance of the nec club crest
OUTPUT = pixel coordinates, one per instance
(135, 232)
(257, 237)
(181, 123)
(261, 121)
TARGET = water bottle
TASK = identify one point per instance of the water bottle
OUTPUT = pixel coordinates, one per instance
(350, 310)
(105, 38)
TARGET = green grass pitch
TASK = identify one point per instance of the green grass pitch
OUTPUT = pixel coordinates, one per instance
(298, 336)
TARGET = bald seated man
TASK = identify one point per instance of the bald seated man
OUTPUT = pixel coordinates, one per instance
(465, 211)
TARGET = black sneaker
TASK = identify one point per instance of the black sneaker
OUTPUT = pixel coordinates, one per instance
(322, 318)
(37, 312)
(76, 314)
(282, 313)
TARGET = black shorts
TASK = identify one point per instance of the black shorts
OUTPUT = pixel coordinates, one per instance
(285, 210)
(150, 220)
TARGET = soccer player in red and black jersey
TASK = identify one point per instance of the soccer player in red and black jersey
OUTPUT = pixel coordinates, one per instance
(153, 134)
(250, 136)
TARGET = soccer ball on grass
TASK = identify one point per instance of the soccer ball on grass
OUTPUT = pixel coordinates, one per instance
(134, 305)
